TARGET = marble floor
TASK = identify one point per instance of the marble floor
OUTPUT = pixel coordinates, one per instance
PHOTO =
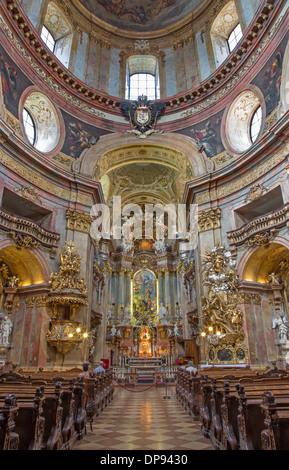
(139, 419)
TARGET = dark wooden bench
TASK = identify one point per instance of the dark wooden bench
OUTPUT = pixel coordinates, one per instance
(9, 439)
(275, 436)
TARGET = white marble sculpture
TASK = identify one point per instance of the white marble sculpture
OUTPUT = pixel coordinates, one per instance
(126, 319)
(163, 315)
(282, 327)
(6, 327)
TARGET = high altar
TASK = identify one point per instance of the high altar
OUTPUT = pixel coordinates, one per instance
(145, 314)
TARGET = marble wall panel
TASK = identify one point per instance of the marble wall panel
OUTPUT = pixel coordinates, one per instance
(170, 72)
(203, 57)
(80, 62)
(114, 73)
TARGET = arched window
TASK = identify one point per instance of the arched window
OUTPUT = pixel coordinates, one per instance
(29, 126)
(226, 32)
(142, 78)
(57, 33)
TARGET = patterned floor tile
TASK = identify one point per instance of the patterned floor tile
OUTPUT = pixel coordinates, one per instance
(144, 421)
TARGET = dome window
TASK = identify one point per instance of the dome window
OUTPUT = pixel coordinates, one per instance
(57, 33)
(47, 37)
(226, 32)
(142, 78)
(235, 37)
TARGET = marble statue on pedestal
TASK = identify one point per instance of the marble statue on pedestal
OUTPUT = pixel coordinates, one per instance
(6, 327)
(163, 315)
(281, 324)
(126, 319)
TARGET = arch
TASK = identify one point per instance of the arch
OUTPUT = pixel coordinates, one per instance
(257, 263)
(224, 24)
(182, 152)
(29, 266)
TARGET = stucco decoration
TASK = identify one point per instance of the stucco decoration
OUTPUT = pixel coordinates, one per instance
(144, 178)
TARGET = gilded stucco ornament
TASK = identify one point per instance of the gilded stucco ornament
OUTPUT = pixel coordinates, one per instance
(67, 294)
(222, 319)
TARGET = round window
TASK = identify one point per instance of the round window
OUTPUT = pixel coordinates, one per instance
(243, 122)
(41, 122)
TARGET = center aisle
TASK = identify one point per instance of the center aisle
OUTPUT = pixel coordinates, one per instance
(144, 421)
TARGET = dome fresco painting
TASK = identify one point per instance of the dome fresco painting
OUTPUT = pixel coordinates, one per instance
(147, 15)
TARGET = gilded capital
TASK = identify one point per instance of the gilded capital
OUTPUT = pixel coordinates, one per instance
(209, 219)
(78, 221)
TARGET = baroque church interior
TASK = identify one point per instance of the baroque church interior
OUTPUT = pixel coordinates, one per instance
(144, 169)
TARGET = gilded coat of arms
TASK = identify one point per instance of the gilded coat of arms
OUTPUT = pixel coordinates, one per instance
(143, 115)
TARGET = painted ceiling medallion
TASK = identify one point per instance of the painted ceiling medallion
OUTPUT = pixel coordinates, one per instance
(142, 115)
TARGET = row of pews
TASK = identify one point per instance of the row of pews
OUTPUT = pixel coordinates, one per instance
(46, 412)
(244, 410)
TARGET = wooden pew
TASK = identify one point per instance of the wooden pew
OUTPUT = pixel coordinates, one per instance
(9, 439)
(67, 404)
(275, 436)
(84, 404)
(30, 410)
(250, 419)
(39, 419)
(225, 431)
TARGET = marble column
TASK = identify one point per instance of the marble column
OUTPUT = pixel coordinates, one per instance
(161, 288)
(127, 289)
(167, 300)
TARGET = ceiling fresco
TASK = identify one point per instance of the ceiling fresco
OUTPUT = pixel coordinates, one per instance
(141, 15)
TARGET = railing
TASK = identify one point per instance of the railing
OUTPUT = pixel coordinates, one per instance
(269, 223)
(20, 227)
